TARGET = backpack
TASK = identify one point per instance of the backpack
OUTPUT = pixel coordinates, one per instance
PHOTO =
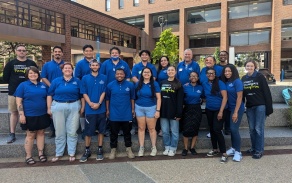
(287, 94)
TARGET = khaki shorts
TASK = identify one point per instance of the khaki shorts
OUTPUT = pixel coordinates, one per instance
(12, 103)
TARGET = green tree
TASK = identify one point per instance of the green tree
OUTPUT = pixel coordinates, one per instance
(166, 46)
(217, 54)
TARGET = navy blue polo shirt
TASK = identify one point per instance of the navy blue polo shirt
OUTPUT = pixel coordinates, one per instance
(82, 68)
(52, 70)
(203, 76)
(119, 95)
(34, 98)
(232, 89)
(63, 91)
(213, 102)
(137, 69)
(108, 68)
(192, 94)
(144, 95)
(94, 87)
(183, 71)
(162, 75)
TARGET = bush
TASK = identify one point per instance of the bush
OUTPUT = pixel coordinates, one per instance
(289, 117)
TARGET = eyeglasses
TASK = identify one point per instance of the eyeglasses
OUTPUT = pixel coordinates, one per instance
(194, 77)
(210, 73)
(21, 50)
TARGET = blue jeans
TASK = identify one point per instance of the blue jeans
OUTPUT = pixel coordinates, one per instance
(66, 122)
(170, 141)
(256, 116)
(234, 128)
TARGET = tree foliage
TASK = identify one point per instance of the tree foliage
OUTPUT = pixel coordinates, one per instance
(166, 46)
(217, 54)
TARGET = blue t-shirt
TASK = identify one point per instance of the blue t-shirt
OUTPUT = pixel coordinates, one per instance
(34, 98)
(137, 69)
(213, 102)
(51, 70)
(63, 91)
(82, 68)
(162, 75)
(183, 71)
(232, 89)
(108, 68)
(94, 87)
(192, 94)
(144, 95)
(119, 96)
(203, 76)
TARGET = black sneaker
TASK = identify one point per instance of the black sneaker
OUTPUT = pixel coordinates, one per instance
(184, 152)
(11, 138)
(250, 151)
(257, 155)
(85, 156)
(212, 153)
(193, 151)
(99, 154)
(224, 159)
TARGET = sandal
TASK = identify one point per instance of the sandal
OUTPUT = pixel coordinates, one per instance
(71, 158)
(55, 159)
(43, 158)
(30, 161)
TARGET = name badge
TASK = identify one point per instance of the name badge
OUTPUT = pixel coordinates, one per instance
(139, 72)
(114, 69)
(180, 69)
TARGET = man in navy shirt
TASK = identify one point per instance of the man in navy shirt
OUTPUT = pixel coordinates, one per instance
(93, 90)
(82, 67)
(50, 71)
(120, 95)
(185, 67)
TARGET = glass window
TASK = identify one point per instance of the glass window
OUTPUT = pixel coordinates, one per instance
(250, 9)
(212, 14)
(204, 15)
(259, 37)
(286, 2)
(239, 39)
(196, 16)
(238, 11)
(171, 18)
(137, 21)
(151, 1)
(205, 40)
(135, 2)
(258, 9)
(121, 4)
(107, 5)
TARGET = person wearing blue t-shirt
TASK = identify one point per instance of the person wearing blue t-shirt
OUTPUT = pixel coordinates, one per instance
(120, 95)
(82, 67)
(50, 71)
(147, 108)
(192, 112)
(210, 62)
(110, 66)
(33, 119)
(145, 62)
(216, 100)
(93, 90)
(185, 67)
(162, 69)
(234, 88)
(64, 105)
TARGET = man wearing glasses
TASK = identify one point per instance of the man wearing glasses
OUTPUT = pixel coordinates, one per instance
(14, 74)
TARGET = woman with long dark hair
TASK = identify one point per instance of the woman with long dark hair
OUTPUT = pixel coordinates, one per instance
(162, 69)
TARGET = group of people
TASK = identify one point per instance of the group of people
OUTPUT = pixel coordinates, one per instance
(106, 96)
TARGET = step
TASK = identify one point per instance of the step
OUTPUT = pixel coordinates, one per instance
(274, 136)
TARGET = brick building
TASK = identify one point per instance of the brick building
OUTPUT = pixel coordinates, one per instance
(261, 27)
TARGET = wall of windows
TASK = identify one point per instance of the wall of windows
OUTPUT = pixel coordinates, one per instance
(23, 14)
(249, 9)
(210, 14)
(137, 21)
(253, 37)
(204, 40)
(286, 32)
(171, 18)
(107, 5)
(91, 31)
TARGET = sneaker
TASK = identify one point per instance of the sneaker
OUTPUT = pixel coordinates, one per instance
(120, 133)
(237, 156)
(208, 135)
(257, 155)
(224, 159)
(184, 152)
(165, 152)
(130, 154)
(85, 156)
(141, 152)
(160, 133)
(230, 152)
(113, 153)
(171, 152)
(11, 138)
(212, 153)
(99, 154)
(133, 131)
(153, 151)
(250, 151)
(193, 151)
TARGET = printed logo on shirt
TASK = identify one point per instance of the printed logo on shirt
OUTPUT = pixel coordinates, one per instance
(180, 69)
(250, 85)
(190, 69)
(74, 83)
(199, 91)
(122, 67)
(127, 89)
(139, 72)
(43, 86)
(167, 88)
(230, 85)
(165, 71)
(101, 82)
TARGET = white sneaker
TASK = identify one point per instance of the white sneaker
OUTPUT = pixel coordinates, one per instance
(171, 152)
(237, 156)
(141, 152)
(165, 152)
(230, 152)
(208, 135)
(153, 151)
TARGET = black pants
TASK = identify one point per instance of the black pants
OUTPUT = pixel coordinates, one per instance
(216, 127)
(227, 120)
(115, 128)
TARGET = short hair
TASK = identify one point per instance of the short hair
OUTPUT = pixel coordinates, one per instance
(33, 69)
(93, 61)
(57, 47)
(87, 46)
(188, 49)
(66, 63)
(120, 69)
(145, 51)
(19, 45)
(211, 56)
(115, 48)
(225, 52)
(252, 61)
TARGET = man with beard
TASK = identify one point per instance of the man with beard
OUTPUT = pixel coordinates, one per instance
(120, 95)
(50, 71)
(14, 74)
(93, 90)
(82, 67)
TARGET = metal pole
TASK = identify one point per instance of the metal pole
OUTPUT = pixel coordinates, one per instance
(97, 49)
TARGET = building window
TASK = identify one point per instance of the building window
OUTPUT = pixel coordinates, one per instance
(135, 2)
(171, 18)
(204, 15)
(137, 21)
(107, 5)
(287, 2)
(204, 40)
(151, 1)
(286, 32)
(253, 37)
(250, 9)
(121, 4)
